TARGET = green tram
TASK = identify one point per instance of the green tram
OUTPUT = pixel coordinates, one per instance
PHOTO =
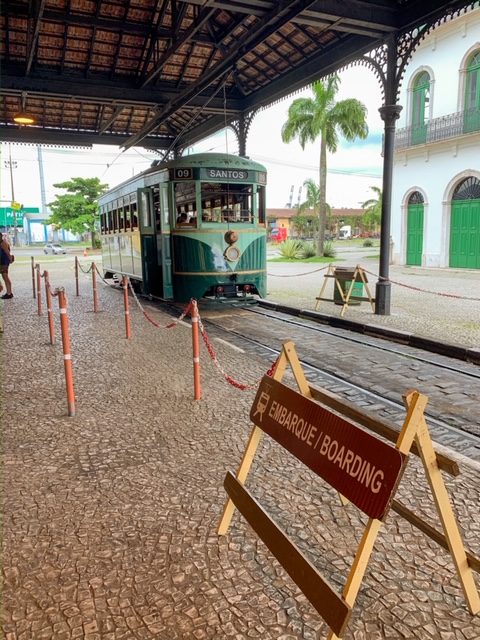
(192, 227)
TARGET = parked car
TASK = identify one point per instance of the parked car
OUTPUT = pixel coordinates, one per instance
(54, 248)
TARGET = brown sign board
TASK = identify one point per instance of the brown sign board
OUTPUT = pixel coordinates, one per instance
(360, 466)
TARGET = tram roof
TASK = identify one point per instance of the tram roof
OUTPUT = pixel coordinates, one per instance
(212, 160)
(166, 73)
(221, 161)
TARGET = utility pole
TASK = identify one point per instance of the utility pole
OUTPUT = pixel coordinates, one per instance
(12, 165)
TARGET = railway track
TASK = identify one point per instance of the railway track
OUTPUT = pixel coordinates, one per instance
(370, 372)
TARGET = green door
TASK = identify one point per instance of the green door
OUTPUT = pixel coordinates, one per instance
(465, 234)
(151, 284)
(421, 99)
(471, 120)
(415, 234)
(165, 243)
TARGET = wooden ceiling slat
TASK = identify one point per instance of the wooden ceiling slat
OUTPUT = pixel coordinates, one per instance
(137, 70)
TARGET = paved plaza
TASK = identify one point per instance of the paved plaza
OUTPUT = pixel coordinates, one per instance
(110, 516)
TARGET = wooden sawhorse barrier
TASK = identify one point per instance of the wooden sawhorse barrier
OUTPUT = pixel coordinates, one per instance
(345, 274)
(362, 468)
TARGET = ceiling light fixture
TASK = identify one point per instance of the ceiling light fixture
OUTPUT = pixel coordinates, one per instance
(22, 117)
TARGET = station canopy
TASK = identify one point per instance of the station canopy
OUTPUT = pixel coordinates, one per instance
(165, 73)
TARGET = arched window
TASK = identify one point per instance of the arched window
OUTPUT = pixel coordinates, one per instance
(420, 107)
(468, 189)
(416, 198)
(472, 95)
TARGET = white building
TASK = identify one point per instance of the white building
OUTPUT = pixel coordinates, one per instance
(436, 173)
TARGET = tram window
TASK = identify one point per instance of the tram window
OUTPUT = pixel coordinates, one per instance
(146, 213)
(126, 215)
(236, 199)
(102, 222)
(156, 206)
(261, 208)
(109, 221)
(133, 211)
(165, 206)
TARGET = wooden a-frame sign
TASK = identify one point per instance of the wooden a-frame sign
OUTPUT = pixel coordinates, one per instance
(364, 469)
(348, 275)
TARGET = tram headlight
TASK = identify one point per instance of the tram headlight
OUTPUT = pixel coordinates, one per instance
(232, 253)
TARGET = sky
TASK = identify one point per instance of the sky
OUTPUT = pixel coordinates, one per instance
(351, 171)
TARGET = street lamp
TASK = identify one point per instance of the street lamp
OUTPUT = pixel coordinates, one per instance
(12, 165)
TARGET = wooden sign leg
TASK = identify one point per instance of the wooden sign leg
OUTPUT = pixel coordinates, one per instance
(359, 566)
(447, 517)
(253, 442)
(242, 473)
(324, 286)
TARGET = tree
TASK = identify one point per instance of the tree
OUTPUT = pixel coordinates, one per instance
(373, 210)
(76, 210)
(299, 224)
(309, 118)
(313, 201)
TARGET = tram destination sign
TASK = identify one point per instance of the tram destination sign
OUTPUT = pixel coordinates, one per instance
(221, 174)
(361, 467)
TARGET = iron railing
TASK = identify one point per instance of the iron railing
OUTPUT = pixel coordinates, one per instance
(449, 126)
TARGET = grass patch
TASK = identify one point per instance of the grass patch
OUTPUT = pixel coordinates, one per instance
(312, 260)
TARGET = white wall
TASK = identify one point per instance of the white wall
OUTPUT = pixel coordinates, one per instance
(434, 169)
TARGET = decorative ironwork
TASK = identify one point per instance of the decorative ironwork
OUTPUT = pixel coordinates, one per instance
(405, 46)
(241, 127)
(416, 198)
(468, 189)
(449, 126)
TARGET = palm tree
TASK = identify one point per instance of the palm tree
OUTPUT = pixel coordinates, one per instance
(313, 200)
(321, 116)
(373, 210)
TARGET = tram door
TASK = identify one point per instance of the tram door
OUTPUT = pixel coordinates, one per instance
(146, 218)
(164, 243)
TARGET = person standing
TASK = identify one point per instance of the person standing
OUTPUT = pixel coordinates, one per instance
(6, 258)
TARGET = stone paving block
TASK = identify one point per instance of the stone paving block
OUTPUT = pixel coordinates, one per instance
(110, 516)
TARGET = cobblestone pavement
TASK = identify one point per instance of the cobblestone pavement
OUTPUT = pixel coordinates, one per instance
(109, 517)
(441, 304)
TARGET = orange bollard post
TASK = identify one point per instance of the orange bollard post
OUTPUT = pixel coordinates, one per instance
(39, 291)
(48, 295)
(94, 285)
(67, 358)
(127, 310)
(76, 276)
(196, 352)
(33, 277)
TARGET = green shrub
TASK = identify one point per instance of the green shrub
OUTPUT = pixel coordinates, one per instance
(308, 250)
(329, 250)
(368, 242)
(98, 243)
(290, 249)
